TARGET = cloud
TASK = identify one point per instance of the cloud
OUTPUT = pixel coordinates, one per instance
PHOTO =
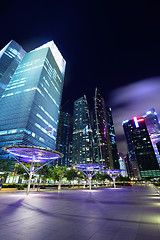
(133, 100)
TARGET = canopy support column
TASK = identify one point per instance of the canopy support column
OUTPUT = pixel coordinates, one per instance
(30, 177)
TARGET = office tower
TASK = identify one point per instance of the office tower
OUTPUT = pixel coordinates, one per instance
(112, 138)
(70, 154)
(128, 166)
(10, 56)
(122, 165)
(133, 168)
(82, 133)
(62, 144)
(153, 128)
(30, 104)
(103, 152)
(145, 155)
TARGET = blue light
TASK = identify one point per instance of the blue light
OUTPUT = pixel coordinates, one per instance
(148, 112)
(136, 122)
(125, 121)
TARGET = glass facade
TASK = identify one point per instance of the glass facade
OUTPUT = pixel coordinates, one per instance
(102, 148)
(30, 104)
(132, 161)
(122, 165)
(63, 133)
(10, 57)
(82, 133)
(153, 128)
(112, 138)
(145, 155)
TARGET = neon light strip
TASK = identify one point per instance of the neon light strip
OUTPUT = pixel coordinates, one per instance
(140, 120)
(136, 122)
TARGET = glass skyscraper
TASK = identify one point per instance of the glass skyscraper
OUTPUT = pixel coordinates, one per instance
(30, 104)
(63, 133)
(112, 138)
(122, 165)
(102, 148)
(153, 128)
(142, 145)
(10, 57)
(82, 133)
(132, 161)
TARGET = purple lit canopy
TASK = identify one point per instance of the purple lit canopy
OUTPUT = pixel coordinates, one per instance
(113, 173)
(89, 167)
(32, 153)
(89, 170)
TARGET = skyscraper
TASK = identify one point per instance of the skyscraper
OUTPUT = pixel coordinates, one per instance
(112, 138)
(103, 152)
(142, 145)
(10, 56)
(153, 128)
(62, 144)
(133, 168)
(122, 164)
(30, 104)
(82, 133)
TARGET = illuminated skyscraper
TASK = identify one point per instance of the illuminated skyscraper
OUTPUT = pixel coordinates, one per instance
(10, 56)
(62, 144)
(122, 165)
(142, 146)
(103, 152)
(132, 164)
(82, 133)
(112, 138)
(153, 128)
(30, 104)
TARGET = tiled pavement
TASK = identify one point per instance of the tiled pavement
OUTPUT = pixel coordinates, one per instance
(131, 213)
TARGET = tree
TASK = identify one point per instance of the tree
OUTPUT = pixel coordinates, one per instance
(99, 176)
(6, 166)
(58, 174)
(44, 173)
(70, 174)
(21, 171)
(123, 179)
(80, 175)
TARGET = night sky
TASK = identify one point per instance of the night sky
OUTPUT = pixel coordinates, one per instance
(112, 45)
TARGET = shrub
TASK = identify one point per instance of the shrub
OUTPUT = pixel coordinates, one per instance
(20, 187)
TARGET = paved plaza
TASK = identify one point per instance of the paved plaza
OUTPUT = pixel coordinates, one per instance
(130, 213)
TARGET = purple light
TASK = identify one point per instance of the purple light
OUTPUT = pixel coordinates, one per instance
(89, 167)
(32, 154)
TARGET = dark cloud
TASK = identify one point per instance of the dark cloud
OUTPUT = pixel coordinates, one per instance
(133, 100)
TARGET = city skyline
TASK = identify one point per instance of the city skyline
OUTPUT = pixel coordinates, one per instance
(80, 120)
(112, 46)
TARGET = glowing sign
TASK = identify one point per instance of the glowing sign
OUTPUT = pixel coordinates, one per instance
(140, 120)
(136, 122)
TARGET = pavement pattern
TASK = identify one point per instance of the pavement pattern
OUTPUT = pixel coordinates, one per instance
(130, 213)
